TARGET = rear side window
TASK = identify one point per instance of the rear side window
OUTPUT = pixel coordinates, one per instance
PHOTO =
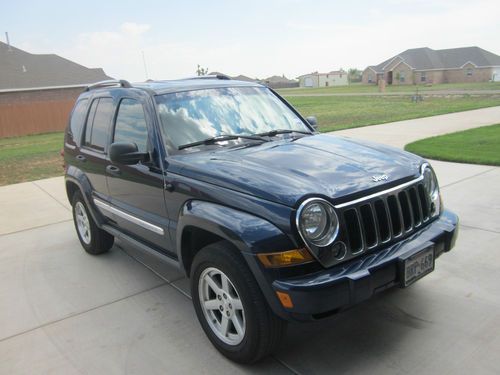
(98, 123)
(131, 124)
(77, 118)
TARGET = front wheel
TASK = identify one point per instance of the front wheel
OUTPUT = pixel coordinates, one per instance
(230, 306)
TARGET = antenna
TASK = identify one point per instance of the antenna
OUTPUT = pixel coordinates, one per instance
(8, 41)
(145, 66)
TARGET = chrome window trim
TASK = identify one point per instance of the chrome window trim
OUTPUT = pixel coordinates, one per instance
(142, 223)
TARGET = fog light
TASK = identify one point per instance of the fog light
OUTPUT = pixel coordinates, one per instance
(285, 258)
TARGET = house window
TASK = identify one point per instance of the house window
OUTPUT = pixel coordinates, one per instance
(401, 77)
(370, 78)
(423, 77)
(326, 83)
(327, 76)
(469, 72)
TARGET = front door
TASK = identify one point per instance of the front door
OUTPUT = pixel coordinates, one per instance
(389, 78)
(137, 190)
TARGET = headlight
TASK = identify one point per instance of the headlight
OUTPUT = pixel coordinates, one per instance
(432, 189)
(317, 222)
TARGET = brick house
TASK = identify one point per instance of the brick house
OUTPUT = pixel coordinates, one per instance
(333, 78)
(37, 92)
(425, 65)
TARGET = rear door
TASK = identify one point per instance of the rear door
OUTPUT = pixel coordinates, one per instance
(137, 190)
(91, 158)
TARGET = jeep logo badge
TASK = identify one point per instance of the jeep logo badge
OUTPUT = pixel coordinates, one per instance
(380, 177)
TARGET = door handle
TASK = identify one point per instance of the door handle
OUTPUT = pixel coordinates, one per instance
(81, 158)
(113, 170)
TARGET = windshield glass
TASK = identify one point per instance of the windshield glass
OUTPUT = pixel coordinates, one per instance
(193, 116)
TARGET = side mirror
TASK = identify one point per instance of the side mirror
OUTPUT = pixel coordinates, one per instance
(312, 121)
(126, 153)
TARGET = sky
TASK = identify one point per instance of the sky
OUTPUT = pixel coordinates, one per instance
(256, 38)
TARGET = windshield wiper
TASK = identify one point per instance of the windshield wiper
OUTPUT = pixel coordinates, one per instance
(272, 133)
(219, 138)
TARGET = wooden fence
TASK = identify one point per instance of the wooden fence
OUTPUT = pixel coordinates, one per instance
(30, 117)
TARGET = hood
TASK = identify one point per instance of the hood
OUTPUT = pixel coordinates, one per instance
(285, 171)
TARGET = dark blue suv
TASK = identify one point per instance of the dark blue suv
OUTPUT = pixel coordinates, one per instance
(270, 220)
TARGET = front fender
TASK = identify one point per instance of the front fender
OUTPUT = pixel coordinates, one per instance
(249, 234)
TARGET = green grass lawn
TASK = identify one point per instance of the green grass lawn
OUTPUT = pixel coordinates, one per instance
(30, 158)
(475, 146)
(341, 112)
(361, 88)
(37, 156)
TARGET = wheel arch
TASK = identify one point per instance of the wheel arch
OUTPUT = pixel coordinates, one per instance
(75, 181)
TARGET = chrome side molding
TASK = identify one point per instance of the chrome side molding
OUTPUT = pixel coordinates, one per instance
(142, 223)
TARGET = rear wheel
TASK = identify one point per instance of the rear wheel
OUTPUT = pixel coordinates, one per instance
(93, 239)
(230, 306)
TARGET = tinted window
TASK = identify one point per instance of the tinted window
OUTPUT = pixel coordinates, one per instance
(77, 118)
(96, 135)
(131, 124)
(90, 119)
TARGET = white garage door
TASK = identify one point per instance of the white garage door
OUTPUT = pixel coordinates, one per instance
(308, 82)
(496, 75)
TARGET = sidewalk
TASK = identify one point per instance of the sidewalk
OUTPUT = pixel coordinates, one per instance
(400, 133)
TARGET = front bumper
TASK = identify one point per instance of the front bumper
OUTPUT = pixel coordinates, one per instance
(323, 293)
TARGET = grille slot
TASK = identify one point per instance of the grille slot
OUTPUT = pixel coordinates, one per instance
(405, 209)
(383, 220)
(369, 226)
(353, 230)
(370, 223)
(395, 216)
(415, 204)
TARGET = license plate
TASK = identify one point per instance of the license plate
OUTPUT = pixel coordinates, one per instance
(418, 266)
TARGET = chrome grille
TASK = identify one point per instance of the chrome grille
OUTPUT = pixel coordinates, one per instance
(380, 219)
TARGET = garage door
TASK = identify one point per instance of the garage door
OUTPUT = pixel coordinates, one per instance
(496, 75)
(308, 82)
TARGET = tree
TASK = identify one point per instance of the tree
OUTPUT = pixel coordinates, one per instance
(201, 71)
(354, 75)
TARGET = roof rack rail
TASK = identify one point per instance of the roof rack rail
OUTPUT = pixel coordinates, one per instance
(212, 76)
(109, 82)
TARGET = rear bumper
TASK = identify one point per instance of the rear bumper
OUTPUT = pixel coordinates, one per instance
(323, 293)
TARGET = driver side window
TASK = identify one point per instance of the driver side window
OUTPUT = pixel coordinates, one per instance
(131, 124)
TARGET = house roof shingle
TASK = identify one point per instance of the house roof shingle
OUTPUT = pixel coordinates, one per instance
(427, 58)
(22, 70)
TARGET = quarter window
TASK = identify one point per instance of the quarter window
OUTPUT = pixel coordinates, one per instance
(77, 118)
(98, 122)
(131, 124)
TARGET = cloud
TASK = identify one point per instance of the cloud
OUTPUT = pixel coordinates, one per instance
(133, 28)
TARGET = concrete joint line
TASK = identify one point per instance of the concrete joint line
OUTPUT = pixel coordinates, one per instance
(468, 178)
(81, 312)
(477, 228)
(36, 227)
(50, 195)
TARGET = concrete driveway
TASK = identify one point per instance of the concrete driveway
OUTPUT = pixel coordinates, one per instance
(63, 311)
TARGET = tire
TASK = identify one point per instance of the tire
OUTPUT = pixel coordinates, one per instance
(93, 239)
(262, 329)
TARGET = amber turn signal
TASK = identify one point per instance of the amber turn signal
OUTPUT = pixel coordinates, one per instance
(285, 299)
(285, 258)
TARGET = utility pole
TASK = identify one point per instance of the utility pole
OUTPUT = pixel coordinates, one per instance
(8, 41)
(145, 66)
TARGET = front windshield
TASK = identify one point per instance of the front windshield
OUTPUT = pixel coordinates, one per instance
(192, 116)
